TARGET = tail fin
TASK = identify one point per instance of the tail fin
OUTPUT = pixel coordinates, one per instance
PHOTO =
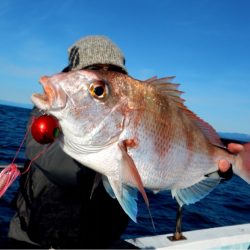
(242, 163)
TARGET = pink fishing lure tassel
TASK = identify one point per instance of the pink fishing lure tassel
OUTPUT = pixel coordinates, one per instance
(7, 177)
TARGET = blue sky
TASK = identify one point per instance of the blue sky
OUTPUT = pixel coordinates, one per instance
(204, 43)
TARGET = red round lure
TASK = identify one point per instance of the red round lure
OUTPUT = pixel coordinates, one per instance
(45, 129)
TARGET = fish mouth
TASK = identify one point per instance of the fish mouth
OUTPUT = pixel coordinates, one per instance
(53, 97)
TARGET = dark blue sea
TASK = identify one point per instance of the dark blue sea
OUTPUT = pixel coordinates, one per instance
(228, 204)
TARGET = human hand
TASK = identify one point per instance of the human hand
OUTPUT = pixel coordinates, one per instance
(233, 148)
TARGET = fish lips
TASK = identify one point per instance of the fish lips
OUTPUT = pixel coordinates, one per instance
(53, 98)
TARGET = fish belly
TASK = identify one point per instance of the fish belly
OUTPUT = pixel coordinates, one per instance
(176, 170)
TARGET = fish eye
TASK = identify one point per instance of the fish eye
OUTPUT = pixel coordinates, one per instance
(98, 89)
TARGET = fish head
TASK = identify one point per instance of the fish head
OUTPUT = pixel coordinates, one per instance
(89, 105)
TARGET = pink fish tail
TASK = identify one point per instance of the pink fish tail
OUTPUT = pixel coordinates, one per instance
(242, 163)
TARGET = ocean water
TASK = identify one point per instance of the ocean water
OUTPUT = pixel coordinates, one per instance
(228, 204)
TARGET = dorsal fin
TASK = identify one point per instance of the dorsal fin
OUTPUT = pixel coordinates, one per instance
(165, 87)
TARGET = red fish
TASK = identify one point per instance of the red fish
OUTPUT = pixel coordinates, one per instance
(137, 134)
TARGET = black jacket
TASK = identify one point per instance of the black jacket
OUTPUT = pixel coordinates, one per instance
(54, 207)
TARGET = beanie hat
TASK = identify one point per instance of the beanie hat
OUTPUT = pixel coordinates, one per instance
(95, 50)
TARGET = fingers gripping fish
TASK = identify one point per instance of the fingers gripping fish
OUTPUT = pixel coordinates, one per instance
(138, 135)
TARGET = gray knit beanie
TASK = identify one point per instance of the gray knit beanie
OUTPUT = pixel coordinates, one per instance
(95, 50)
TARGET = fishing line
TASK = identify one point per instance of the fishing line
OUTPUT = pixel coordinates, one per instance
(24, 138)
(35, 157)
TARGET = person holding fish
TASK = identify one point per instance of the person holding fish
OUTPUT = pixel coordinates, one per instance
(106, 119)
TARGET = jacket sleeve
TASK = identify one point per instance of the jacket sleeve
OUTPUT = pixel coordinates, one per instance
(56, 165)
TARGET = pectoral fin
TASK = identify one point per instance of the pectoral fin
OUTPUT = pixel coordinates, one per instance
(127, 197)
(196, 192)
(125, 194)
(130, 173)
